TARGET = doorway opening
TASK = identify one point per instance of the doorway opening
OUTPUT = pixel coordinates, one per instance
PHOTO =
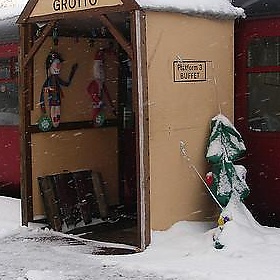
(86, 182)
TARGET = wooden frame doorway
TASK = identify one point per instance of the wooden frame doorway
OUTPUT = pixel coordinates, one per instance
(32, 45)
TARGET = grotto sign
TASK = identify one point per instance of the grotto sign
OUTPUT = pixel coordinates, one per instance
(189, 71)
(44, 7)
(60, 5)
(68, 5)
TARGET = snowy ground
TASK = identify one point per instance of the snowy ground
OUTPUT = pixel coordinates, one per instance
(185, 251)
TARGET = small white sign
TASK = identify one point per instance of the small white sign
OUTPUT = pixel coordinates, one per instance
(189, 71)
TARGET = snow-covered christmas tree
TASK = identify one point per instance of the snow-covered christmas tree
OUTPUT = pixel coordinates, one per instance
(225, 146)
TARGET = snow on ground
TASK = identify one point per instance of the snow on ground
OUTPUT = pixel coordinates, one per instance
(10, 217)
(185, 251)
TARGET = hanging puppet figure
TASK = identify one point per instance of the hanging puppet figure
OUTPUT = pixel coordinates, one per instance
(98, 91)
(51, 94)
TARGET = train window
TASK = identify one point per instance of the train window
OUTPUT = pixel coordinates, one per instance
(9, 113)
(5, 69)
(264, 51)
(263, 68)
(264, 100)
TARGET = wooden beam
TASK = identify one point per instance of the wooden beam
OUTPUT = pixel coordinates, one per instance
(127, 6)
(78, 125)
(38, 43)
(24, 16)
(131, 4)
(25, 91)
(117, 35)
(140, 95)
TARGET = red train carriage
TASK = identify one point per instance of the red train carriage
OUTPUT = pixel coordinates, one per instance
(257, 104)
(9, 110)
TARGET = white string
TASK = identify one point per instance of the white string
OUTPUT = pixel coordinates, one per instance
(185, 155)
(216, 88)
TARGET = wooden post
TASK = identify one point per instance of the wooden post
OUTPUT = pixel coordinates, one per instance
(25, 97)
(140, 95)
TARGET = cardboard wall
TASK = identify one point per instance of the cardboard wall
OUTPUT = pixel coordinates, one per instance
(75, 150)
(182, 111)
(59, 151)
(76, 103)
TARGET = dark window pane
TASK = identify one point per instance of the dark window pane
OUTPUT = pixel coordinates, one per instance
(264, 101)
(9, 113)
(264, 51)
(5, 69)
(9, 104)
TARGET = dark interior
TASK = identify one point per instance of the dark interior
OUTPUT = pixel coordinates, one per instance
(254, 8)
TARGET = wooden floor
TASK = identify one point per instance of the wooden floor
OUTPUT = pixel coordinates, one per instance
(82, 245)
(123, 231)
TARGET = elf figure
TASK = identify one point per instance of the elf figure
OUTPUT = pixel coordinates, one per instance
(51, 93)
(98, 90)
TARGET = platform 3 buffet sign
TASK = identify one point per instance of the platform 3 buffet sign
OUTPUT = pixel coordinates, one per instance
(64, 6)
(189, 71)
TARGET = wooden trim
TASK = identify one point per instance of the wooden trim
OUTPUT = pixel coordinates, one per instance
(140, 92)
(131, 4)
(128, 5)
(25, 91)
(75, 126)
(82, 13)
(117, 35)
(262, 69)
(38, 43)
(29, 49)
(136, 105)
(78, 14)
(146, 127)
(27, 11)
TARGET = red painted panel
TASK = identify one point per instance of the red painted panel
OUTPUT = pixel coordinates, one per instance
(10, 154)
(263, 157)
(9, 142)
(8, 50)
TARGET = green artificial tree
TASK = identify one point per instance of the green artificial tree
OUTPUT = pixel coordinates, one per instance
(225, 146)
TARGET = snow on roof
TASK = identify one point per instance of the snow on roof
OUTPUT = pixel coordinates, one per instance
(212, 8)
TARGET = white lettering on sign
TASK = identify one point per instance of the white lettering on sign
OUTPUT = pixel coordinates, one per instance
(189, 71)
(64, 5)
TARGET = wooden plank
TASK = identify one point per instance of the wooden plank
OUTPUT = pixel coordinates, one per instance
(117, 35)
(75, 126)
(37, 44)
(131, 4)
(142, 127)
(68, 200)
(88, 13)
(25, 90)
(27, 11)
(100, 195)
(128, 5)
(146, 129)
(51, 202)
(85, 194)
